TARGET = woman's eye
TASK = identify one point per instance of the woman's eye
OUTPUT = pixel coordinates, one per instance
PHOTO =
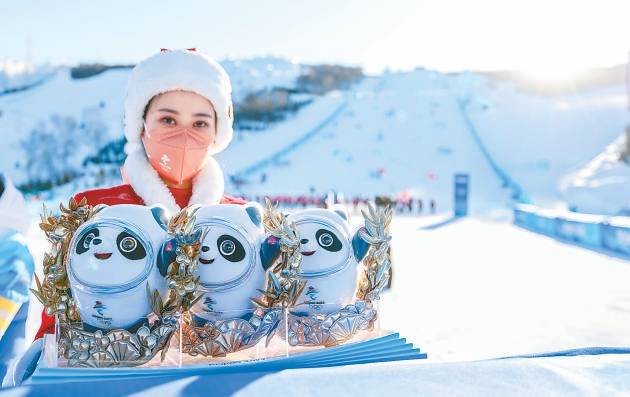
(200, 124)
(167, 120)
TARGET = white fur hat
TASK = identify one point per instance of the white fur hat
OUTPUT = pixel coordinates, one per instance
(170, 70)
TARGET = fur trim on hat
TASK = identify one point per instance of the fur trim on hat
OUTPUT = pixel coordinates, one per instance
(208, 184)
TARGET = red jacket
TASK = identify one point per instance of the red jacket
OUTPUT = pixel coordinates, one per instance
(121, 194)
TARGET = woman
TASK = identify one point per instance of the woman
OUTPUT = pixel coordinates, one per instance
(178, 113)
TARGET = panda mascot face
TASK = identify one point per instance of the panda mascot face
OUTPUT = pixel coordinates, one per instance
(228, 254)
(325, 245)
(112, 259)
(232, 261)
(330, 258)
(111, 254)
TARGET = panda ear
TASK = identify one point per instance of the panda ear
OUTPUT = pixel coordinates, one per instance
(160, 216)
(269, 251)
(341, 211)
(166, 256)
(360, 247)
(99, 207)
(254, 211)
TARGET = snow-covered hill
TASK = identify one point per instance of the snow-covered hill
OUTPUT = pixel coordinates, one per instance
(540, 140)
(603, 185)
(100, 98)
(391, 133)
(397, 132)
(250, 75)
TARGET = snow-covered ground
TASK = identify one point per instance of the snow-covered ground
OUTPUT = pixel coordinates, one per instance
(475, 289)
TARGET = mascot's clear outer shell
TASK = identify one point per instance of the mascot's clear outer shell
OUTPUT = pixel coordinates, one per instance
(111, 261)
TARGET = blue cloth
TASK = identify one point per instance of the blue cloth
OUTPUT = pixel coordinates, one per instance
(16, 272)
(16, 267)
(13, 341)
(548, 374)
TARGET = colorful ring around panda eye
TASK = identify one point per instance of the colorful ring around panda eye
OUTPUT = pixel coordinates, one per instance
(328, 242)
(128, 244)
(88, 240)
(227, 250)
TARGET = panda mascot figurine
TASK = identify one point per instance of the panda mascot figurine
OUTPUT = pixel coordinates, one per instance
(112, 260)
(330, 259)
(233, 260)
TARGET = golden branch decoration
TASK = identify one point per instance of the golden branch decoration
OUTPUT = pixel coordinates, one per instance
(53, 290)
(283, 284)
(377, 262)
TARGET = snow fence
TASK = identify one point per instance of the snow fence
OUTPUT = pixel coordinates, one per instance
(599, 232)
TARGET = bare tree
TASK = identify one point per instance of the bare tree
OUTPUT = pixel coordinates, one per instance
(49, 150)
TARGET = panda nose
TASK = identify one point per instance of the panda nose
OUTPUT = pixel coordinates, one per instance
(205, 248)
(97, 241)
(304, 241)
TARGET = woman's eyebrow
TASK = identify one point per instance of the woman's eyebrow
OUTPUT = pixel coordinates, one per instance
(168, 110)
(202, 115)
(176, 112)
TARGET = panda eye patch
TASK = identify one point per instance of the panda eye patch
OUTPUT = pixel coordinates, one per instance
(328, 240)
(230, 248)
(130, 247)
(83, 245)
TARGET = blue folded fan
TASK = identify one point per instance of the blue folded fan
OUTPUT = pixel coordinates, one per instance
(390, 347)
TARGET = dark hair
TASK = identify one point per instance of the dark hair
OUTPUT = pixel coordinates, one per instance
(146, 109)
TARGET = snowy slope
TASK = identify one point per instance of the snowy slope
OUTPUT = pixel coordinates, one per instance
(406, 124)
(59, 96)
(15, 75)
(104, 94)
(396, 132)
(540, 140)
(250, 75)
(603, 185)
(248, 148)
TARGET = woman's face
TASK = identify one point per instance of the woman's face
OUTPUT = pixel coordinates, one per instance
(175, 109)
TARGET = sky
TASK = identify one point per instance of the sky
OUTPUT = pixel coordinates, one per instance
(538, 36)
